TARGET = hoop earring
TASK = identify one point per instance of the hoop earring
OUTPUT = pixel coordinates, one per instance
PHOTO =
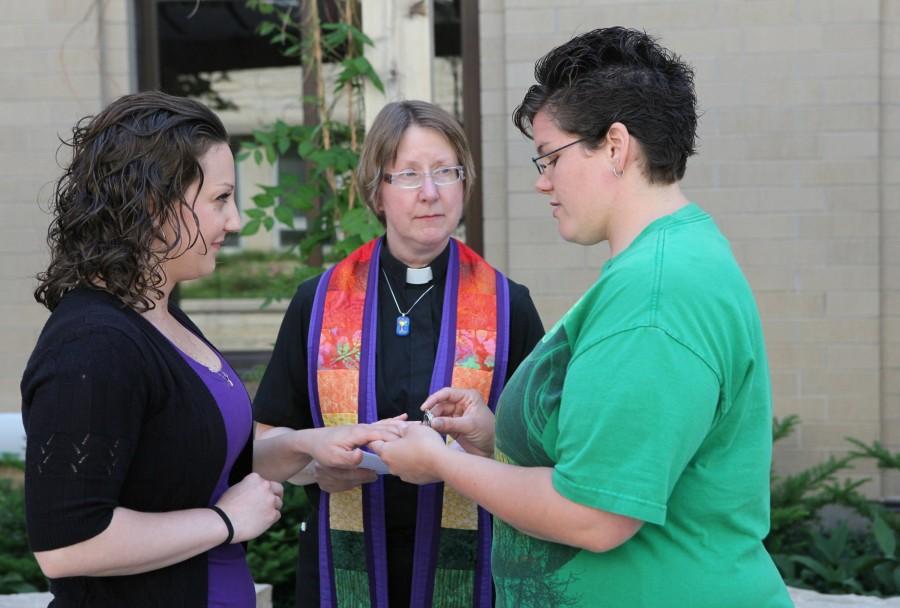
(619, 173)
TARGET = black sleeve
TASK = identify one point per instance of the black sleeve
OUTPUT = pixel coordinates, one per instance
(84, 401)
(283, 395)
(525, 326)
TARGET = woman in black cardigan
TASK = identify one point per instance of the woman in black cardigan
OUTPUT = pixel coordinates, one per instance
(139, 490)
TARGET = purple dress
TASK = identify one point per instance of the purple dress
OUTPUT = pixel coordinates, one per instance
(230, 584)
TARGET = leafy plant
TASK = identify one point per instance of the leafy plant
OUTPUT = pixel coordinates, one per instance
(273, 556)
(861, 559)
(19, 572)
(249, 274)
(337, 222)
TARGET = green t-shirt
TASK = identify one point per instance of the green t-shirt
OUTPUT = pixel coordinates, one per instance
(651, 399)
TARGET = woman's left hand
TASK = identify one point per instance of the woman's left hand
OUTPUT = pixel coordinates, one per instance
(338, 446)
(413, 456)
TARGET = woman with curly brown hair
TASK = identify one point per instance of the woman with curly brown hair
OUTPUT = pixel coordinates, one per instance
(139, 490)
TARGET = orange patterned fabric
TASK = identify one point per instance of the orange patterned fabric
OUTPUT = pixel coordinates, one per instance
(476, 323)
(340, 344)
(341, 338)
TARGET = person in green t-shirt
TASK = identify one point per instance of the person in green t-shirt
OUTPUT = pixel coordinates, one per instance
(631, 449)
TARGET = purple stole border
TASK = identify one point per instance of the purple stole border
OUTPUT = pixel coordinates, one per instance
(430, 497)
(484, 584)
(327, 593)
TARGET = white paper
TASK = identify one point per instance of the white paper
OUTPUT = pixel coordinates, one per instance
(373, 462)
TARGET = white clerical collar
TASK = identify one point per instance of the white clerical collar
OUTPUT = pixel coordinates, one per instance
(419, 276)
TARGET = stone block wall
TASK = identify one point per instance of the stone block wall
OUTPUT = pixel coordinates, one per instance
(59, 60)
(797, 162)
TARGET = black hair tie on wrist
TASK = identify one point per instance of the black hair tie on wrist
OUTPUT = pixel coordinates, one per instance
(227, 524)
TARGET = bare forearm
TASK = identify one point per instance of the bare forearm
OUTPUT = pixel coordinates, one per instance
(278, 453)
(524, 497)
(304, 477)
(136, 542)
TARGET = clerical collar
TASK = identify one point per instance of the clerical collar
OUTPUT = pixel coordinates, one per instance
(418, 276)
(400, 273)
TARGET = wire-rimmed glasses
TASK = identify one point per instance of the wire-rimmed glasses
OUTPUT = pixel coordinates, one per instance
(442, 176)
(541, 167)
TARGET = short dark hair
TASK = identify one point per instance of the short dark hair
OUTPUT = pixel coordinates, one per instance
(131, 165)
(617, 74)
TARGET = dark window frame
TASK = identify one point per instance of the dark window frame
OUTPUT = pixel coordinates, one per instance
(149, 78)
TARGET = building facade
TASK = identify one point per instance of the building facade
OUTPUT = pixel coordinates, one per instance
(799, 162)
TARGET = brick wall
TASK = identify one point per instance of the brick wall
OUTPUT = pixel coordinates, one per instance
(798, 164)
(59, 60)
(889, 226)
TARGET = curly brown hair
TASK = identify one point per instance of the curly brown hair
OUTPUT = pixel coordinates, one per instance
(131, 165)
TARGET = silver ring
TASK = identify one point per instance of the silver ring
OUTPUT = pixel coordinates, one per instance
(426, 420)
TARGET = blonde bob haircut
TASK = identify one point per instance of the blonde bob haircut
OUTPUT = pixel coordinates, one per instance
(383, 140)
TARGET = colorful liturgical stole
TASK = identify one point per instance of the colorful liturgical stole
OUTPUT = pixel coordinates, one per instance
(452, 542)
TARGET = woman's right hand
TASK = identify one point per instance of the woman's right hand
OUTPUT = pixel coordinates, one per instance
(462, 414)
(252, 505)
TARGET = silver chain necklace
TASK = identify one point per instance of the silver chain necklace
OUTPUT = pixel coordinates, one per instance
(221, 373)
(403, 324)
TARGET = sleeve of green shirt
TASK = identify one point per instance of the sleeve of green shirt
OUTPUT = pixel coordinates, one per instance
(635, 407)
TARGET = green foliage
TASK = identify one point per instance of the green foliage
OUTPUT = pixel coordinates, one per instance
(337, 220)
(19, 572)
(883, 458)
(250, 274)
(254, 374)
(273, 556)
(797, 498)
(862, 559)
(842, 561)
(327, 196)
(782, 428)
(11, 461)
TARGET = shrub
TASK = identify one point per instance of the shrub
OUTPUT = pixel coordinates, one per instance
(251, 274)
(273, 556)
(863, 559)
(19, 572)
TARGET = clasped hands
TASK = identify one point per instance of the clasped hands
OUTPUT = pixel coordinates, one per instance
(411, 450)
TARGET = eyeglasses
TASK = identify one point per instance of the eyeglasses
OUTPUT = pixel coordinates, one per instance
(541, 167)
(442, 176)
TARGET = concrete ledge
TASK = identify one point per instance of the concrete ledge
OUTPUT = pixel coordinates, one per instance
(40, 600)
(263, 596)
(232, 305)
(238, 324)
(804, 598)
(12, 434)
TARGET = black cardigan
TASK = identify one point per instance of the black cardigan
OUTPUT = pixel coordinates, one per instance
(114, 416)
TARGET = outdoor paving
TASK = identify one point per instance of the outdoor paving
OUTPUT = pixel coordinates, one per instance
(40, 600)
(802, 599)
(810, 599)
